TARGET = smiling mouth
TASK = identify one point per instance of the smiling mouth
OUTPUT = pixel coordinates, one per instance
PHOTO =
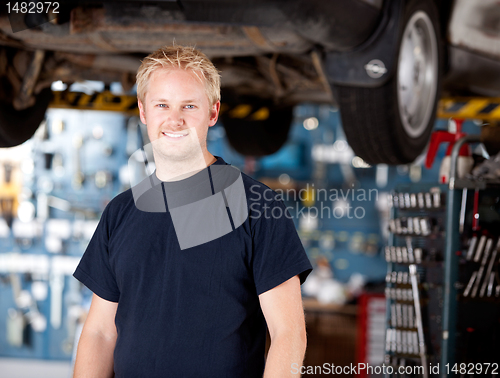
(174, 135)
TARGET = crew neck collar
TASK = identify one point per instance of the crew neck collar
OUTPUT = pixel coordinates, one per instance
(198, 178)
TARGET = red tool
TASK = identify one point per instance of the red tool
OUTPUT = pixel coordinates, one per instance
(453, 134)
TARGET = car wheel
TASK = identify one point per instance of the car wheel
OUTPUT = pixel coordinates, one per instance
(17, 126)
(391, 124)
(255, 127)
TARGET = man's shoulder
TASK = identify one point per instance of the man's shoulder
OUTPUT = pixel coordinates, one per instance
(120, 203)
(256, 191)
(122, 198)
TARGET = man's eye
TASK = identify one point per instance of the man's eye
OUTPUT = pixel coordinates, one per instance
(162, 105)
(190, 106)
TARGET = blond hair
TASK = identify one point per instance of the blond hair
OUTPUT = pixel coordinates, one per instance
(180, 57)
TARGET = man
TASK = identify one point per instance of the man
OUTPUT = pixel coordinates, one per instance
(165, 306)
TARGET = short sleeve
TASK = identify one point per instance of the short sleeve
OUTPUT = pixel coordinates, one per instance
(278, 254)
(94, 269)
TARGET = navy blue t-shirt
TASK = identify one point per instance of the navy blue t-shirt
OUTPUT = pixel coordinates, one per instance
(191, 312)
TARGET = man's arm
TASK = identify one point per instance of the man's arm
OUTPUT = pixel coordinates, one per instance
(282, 308)
(94, 357)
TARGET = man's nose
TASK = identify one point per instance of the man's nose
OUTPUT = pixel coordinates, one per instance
(175, 118)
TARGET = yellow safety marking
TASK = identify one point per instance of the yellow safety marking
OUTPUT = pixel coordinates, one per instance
(309, 199)
(472, 108)
(261, 114)
(482, 108)
(495, 114)
(240, 111)
(108, 101)
(223, 108)
(99, 101)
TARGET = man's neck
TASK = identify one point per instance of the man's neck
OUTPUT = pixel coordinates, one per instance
(175, 170)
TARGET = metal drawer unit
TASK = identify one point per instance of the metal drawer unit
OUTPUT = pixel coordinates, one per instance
(414, 281)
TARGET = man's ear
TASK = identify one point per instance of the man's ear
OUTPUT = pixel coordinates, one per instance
(142, 112)
(214, 114)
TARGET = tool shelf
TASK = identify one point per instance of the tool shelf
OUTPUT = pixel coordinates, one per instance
(425, 313)
(455, 328)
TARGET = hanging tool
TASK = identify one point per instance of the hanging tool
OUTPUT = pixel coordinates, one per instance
(393, 315)
(436, 197)
(416, 226)
(418, 315)
(487, 249)
(418, 255)
(480, 247)
(388, 338)
(472, 248)
(413, 200)
(490, 284)
(488, 271)
(420, 200)
(398, 341)
(451, 136)
(411, 316)
(409, 338)
(475, 211)
(463, 207)
(404, 343)
(428, 200)
(469, 285)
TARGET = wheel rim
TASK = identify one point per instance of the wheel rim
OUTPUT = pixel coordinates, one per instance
(417, 74)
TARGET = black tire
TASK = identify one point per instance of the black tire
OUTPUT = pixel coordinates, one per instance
(17, 126)
(371, 117)
(256, 137)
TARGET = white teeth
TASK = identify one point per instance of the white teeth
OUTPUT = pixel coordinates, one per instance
(174, 135)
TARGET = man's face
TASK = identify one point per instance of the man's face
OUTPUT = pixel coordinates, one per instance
(177, 113)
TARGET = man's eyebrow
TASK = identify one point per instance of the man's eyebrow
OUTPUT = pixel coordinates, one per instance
(164, 100)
